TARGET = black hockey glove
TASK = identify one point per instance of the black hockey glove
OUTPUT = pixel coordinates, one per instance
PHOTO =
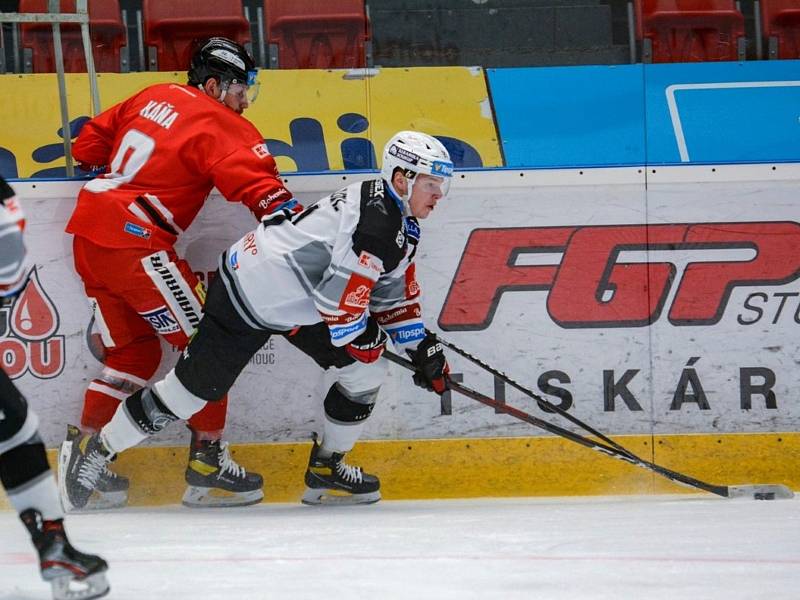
(433, 372)
(369, 346)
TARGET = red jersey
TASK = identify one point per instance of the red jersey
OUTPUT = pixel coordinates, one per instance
(166, 148)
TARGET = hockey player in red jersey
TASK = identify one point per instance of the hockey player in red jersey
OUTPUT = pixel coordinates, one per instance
(163, 150)
(337, 281)
(24, 470)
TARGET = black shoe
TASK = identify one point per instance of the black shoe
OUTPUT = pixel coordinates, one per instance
(332, 481)
(73, 574)
(216, 480)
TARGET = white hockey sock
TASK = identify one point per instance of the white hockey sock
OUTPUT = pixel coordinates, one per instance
(339, 437)
(121, 433)
(41, 494)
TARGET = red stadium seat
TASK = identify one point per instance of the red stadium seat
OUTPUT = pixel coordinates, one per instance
(780, 24)
(171, 28)
(690, 30)
(316, 34)
(106, 31)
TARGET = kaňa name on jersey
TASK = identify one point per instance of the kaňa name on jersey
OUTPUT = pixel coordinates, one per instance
(162, 113)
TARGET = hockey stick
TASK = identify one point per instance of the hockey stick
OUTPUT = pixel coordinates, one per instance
(755, 491)
(542, 402)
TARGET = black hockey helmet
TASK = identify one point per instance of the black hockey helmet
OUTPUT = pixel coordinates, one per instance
(223, 59)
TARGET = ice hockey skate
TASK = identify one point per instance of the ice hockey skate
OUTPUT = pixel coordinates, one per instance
(112, 489)
(82, 470)
(72, 574)
(215, 480)
(331, 481)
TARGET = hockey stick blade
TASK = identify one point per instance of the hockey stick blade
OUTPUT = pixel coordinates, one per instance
(766, 491)
(756, 492)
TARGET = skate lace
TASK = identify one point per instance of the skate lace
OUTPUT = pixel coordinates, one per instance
(108, 473)
(227, 464)
(91, 469)
(349, 472)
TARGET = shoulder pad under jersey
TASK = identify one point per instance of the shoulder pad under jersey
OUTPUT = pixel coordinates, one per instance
(380, 225)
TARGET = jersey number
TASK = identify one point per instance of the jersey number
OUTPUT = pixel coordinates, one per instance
(133, 152)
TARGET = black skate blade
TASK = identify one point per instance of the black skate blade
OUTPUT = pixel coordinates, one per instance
(205, 497)
(89, 588)
(328, 497)
(767, 491)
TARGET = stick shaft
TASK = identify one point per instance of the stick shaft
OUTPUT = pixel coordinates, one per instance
(615, 451)
(515, 384)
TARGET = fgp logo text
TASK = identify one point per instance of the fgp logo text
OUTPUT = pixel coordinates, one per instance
(591, 282)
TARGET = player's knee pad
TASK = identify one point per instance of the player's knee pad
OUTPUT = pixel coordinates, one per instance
(148, 411)
(343, 409)
(23, 463)
(362, 381)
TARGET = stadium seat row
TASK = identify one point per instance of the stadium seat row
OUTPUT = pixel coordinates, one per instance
(713, 30)
(327, 34)
(301, 34)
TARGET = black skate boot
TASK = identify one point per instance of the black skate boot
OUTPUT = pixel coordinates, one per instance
(73, 574)
(215, 480)
(332, 481)
(81, 470)
(112, 489)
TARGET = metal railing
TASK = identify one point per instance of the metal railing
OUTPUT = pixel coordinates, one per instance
(56, 18)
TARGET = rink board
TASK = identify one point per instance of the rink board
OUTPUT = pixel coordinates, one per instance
(653, 311)
(489, 467)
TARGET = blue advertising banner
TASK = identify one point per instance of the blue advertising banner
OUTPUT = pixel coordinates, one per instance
(688, 113)
(570, 116)
(723, 112)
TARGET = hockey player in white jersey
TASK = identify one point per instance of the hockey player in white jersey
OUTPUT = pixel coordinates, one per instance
(334, 279)
(24, 470)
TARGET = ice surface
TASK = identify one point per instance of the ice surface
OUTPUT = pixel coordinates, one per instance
(676, 547)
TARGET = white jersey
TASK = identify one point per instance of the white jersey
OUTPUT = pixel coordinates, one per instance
(12, 250)
(349, 255)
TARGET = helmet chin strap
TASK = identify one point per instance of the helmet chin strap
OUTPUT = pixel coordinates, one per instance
(404, 198)
(221, 98)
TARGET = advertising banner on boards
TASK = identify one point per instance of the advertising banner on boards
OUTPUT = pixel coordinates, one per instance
(667, 311)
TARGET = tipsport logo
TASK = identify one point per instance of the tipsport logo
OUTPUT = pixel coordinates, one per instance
(29, 338)
(589, 282)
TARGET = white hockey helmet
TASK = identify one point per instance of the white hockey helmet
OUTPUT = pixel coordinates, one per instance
(414, 152)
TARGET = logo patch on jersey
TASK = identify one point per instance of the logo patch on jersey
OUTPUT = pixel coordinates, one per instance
(356, 294)
(332, 320)
(233, 260)
(400, 239)
(162, 320)
(412, 228)
(412, 287)
(376, 202)
(137, 230)
(409, 333)
(340, 332)
(260, 150)
(368, 261)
